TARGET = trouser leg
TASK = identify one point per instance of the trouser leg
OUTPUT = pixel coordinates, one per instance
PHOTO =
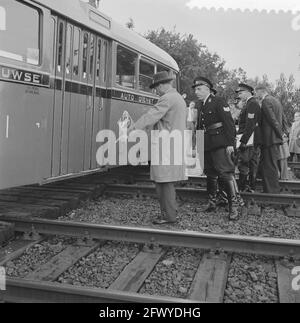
(283, 166)
(168, 200)
(270, 170)
(211, 182)
(254, 165)
(226, 169)
(160, 194)
(243, 166)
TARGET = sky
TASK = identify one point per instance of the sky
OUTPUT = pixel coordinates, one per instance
(259, 42)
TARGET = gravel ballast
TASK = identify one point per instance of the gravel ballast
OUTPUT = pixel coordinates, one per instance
(174, 274)
(191, 217)
(36, 256)
(102, 267)
(251, 279)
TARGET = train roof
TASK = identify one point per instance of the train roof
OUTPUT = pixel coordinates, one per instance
(80, 12)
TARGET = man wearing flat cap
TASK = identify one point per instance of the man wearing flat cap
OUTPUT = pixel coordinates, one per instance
(169, 113)
(250, 142)
(215, 119)
(272, 138)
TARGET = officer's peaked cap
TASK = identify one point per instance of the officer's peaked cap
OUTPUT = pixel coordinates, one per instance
(202, 81)
(245, 87)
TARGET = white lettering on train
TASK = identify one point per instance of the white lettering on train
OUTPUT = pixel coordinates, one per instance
(127, 97)
(19, 75)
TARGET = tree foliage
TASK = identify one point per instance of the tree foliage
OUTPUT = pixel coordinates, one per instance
(194, 59)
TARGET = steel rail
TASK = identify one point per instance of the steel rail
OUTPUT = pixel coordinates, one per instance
(286, 186)
(24, 291)
(201, 194)
(294, 165)
(190, 239)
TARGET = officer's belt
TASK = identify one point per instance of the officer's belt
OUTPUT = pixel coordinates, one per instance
(215, 126)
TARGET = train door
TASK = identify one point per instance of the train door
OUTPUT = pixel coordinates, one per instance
(58, 97)
(99, 117)
(77, 107)
(88, 78)
(67, 98)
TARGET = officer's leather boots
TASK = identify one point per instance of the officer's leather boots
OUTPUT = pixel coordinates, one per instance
(212, 186)
(252, 181)
(234, 199)
(222, 199)
(242, 182)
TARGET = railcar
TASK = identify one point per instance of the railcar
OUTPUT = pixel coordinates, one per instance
(67, 71)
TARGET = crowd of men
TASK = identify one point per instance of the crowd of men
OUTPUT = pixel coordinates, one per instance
(256, 144)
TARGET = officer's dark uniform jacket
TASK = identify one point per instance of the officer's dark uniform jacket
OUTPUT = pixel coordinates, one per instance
(250, 121)
(214, 117)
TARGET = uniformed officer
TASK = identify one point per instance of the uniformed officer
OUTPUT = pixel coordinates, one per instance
(215, 119)
(250, 131)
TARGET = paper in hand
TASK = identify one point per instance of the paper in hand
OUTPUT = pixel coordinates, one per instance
(124, 123)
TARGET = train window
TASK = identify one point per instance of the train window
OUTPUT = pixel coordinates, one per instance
(105, 50)
(76, 46)
(60, 46)
(98, 61)
(19, 41)
(126, 62)
(92, 55)
(84, 54)
(161, 68)
(146, 76)
(68, 50)
(53, 37)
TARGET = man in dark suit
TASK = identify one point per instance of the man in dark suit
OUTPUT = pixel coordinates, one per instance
(250, 138)
(214, 117)
(271, 127)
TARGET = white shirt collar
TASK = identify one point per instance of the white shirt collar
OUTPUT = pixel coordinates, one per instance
(206, 99)
(249, 98)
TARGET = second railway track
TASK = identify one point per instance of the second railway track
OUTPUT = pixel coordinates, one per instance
(206, 286)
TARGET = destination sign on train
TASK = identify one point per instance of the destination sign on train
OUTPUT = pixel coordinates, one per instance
(125, 96)
(22, 76)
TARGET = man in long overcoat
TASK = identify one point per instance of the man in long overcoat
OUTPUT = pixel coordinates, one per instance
(271, 127)
(169, 114)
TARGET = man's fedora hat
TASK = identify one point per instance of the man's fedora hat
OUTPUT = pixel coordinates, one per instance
(161, 77)
(245, 87)
(202, 81)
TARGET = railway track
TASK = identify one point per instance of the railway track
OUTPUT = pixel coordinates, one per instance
(254, 201)
(208, 284)
(132, 176)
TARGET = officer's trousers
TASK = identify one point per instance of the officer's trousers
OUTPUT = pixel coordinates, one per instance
(270, 171)
(218, 164)
(248, 161)
(167, 199)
